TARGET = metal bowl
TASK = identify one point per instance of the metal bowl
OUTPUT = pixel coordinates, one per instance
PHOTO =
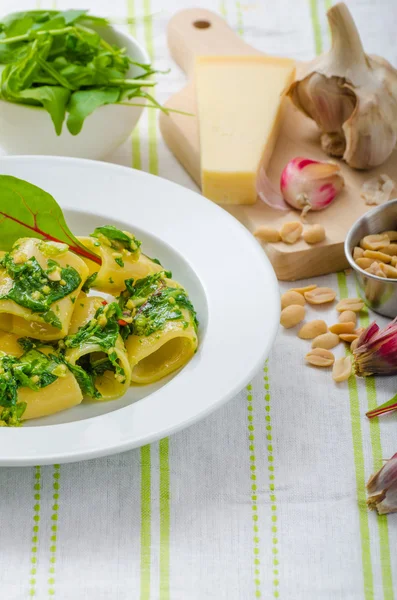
(378, 293)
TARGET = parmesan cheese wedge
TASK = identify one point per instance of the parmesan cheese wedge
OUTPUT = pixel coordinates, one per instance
(239, 100)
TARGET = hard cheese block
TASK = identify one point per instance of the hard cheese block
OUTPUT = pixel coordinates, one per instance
(239, 100)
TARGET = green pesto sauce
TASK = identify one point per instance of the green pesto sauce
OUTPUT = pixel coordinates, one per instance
(29, 279)
(33, 370)
(155, 304)
(89, 283)
(118, 239)
(94, 332)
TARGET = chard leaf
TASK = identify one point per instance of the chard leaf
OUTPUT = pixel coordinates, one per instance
(84, 102)
(28, 211)
(53, 98)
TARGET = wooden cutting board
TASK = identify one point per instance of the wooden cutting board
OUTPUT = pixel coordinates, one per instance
(195, 32)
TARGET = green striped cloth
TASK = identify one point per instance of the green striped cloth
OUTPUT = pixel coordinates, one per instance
(263, 499)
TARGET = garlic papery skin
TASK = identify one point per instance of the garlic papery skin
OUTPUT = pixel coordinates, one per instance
(309, 184)
(351, 96)
(382, 488)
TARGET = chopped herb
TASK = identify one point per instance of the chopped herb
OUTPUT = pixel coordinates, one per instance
(10, 416)
(119, 261)
(84, 379)
(27, 289)
(117, 239)
(89, 282)
(154, 304)
(155, 260)
(103, 329)
(73, 299)
(111, 280)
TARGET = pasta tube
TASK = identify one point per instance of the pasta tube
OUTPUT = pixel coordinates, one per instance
(95, 350)
(39, 281)
(33, 382)
(162, 336)
(121, 259)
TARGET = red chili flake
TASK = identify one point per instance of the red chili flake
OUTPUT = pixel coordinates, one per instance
(121, 322)
(104, 302)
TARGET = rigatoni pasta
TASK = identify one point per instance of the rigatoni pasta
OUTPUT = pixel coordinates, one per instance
(60, 345)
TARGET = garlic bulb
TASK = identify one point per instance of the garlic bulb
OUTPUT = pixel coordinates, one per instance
(382, 488)
(310, 184)
(351, 96)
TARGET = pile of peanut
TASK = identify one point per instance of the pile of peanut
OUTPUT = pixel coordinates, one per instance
(377, 254)
(290, 233)
(323, 338)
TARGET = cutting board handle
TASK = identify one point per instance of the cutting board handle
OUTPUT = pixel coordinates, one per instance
(197, 31)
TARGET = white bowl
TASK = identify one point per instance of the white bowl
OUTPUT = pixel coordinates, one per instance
(30, 130)
(230, 282)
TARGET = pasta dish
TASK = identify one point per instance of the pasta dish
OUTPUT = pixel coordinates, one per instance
(62, 343)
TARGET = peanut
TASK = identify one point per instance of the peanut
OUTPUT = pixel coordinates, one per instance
(394, 261)
(314, 234)
(302, 290)
(267, 234)
(320, 295)
(292, 315)
(375, 242)
(364, 263)
(326, 340)
(342, 369)
(290, 232)
(392, 235)
(353, 304)
(375, 269)
(348, 337)
(391, 250)
(359, 331)
(312, 329)
(339, 328)
(377, 255)
(389, 271)
(347, 316)
(354, 344)
(290, 297)
(358, 253)
(320, 357)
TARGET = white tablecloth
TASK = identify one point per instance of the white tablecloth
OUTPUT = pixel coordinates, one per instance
(264, 498)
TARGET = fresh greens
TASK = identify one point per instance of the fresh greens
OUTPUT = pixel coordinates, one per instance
(152, 303)
(103, 329)
(57, 60)
(89, 282)
(85, 379)
(28, 211)
(117, 239)
(33, 289)
(34, 370)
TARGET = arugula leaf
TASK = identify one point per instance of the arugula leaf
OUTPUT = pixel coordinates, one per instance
(84, 102)
(44, 48)
(54, 99)
(38, 365)
(28, 211)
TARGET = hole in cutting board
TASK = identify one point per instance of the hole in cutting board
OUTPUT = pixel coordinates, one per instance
(202, 24)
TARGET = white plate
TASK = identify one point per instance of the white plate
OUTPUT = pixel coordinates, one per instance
(226, 273)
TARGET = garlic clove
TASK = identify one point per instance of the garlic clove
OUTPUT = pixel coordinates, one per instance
(378, 189)
(382, 488)
(351, 96)
(267, 193)
(310, 185)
